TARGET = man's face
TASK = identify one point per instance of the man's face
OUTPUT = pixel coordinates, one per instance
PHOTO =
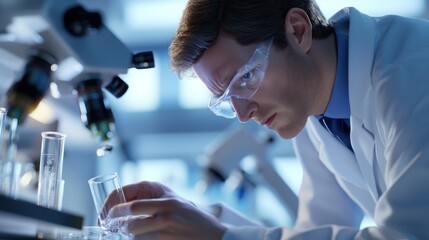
(285, 97)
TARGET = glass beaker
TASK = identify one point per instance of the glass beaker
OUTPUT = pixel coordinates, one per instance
(103, 188)
(106, 191)
(51, 184)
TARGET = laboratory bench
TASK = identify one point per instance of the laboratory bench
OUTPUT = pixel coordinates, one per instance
(20, 219)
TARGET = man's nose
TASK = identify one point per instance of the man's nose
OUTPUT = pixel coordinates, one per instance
(243, 108)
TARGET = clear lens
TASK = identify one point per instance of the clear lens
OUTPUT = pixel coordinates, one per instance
(245, 89)
(245, 83)
(223, 109)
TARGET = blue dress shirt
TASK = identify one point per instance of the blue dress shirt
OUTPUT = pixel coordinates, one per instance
(339, 106)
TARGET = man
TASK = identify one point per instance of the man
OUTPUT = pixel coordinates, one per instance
(353, 93)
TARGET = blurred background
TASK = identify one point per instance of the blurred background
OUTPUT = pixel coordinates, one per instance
(164, 130)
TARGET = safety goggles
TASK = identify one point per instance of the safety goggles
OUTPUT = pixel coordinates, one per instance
(244, 84)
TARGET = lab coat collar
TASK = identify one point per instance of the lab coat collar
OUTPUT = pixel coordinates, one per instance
(361, 54)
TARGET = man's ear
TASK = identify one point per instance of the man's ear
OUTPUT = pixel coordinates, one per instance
(298, 28)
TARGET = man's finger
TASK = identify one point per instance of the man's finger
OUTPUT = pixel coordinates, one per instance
(145, 207)
(143, 190)
(157, 223)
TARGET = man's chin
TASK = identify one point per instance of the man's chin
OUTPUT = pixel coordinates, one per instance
(287, 132)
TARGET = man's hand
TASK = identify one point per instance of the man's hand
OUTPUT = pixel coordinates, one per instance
(168, 216)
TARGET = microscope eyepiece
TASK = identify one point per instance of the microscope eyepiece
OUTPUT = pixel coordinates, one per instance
(79, 22)
(143, 60)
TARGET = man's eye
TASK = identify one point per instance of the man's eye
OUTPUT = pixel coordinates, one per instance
(246, 78)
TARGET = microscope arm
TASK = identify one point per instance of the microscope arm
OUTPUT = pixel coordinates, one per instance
(225, 154)
(278, 186)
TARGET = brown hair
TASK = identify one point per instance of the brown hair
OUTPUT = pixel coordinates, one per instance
(249, 21)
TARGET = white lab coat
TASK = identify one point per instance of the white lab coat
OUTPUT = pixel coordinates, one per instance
(387, 177)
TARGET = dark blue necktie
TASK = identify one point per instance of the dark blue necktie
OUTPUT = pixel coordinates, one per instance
(339, 128)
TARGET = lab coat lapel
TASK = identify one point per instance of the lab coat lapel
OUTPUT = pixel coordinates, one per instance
(361, 44)
(334, 155)
(364, 149)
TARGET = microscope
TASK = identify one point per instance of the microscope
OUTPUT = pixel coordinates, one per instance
(57, 46)
(60, 46)
(224, 157)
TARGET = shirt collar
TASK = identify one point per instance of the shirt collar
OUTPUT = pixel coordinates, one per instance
(339, 106)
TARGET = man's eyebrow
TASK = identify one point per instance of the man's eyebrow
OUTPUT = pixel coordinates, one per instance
(221, 82)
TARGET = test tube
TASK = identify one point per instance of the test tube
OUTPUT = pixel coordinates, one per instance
(4, 176)
(3, 113)
(50, 188)
(10, 169)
